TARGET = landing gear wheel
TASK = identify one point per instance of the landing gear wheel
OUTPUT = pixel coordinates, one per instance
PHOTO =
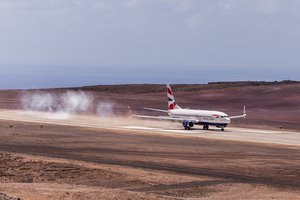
(222, 129)
(205, 127)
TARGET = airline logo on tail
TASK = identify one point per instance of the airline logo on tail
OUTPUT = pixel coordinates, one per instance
(171, 100)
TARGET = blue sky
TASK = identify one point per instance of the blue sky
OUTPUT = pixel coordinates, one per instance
(57, 43)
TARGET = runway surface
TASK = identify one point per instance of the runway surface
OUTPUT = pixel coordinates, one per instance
(190, 162)
(280, 137)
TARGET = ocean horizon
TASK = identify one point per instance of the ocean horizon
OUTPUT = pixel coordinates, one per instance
(35, 77)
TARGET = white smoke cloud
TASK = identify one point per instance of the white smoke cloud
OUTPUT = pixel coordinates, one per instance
(38, 102)
(105, 109)
(73, 102)
(61, 106)
(57, 106)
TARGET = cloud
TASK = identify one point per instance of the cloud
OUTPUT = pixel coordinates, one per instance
(185, 9)
(133, 3)
(269, 6)
(6, 4)
(95, 32)
(194, 21)
(182, 6)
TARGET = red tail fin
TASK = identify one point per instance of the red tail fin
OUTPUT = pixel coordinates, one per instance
(171, 100)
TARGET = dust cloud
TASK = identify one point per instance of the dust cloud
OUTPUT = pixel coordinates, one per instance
(63, 105)
(105, 109)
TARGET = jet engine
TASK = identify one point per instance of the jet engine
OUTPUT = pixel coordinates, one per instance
(187, 124)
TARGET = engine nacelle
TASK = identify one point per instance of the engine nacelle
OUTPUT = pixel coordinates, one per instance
(187, 124)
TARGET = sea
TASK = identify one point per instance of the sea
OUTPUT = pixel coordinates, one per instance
(28, 77)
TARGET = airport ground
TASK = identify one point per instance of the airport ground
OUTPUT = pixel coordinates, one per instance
(49, 156)
(85, 157)
(270, 105)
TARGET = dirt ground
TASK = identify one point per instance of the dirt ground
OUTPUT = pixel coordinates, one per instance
(64, 162)
(270, 105)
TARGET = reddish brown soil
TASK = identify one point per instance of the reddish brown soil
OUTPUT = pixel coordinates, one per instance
(139, 165)
(269, 105)
(61, 162)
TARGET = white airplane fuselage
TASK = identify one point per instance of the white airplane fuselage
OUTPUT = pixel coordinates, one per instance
(202, 117)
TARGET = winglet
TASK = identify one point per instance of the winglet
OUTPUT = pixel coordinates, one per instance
(130, 111)
(240, 116)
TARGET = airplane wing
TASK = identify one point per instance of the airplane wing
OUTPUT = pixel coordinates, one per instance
(158, 110)
(167, 118)
(239, 116)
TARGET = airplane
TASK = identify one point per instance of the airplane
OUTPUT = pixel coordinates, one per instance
(189, 117)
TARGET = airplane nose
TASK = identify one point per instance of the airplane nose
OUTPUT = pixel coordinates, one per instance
(228, 120)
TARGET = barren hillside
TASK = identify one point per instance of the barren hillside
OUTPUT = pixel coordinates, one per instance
(269, 104)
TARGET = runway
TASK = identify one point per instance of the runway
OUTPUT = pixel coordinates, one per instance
(241, 161)
(280, 137)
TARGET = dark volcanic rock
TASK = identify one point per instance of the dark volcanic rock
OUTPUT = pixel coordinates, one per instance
(5, 197)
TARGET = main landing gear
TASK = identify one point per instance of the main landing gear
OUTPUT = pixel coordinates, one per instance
(205, 127)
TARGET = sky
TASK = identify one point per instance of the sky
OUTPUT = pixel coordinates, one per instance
(61, 43)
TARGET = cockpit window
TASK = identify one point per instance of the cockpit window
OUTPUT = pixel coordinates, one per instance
(224, 116)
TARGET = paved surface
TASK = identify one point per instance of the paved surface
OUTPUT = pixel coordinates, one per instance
(162, 147)
(281, 137)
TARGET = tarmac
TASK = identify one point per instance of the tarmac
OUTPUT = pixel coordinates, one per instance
(43, 155)
(280, 137)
